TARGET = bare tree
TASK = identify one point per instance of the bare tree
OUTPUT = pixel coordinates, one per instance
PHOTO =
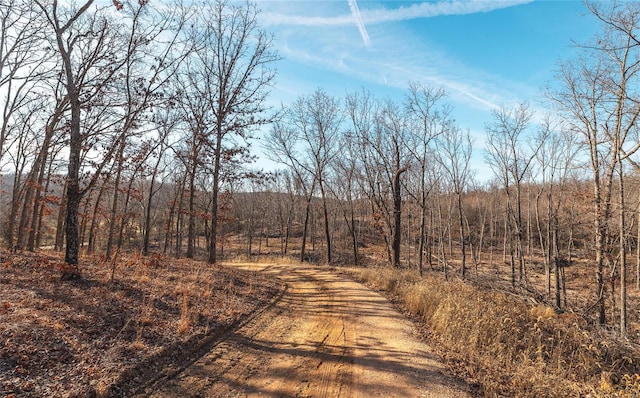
(381, 131)
(344, 188)
(382, 134)
(429, 118)
(152, 55)
(23, 56)
(84, 42)
(511, 162)
(232, 72)
(454, 150)
(315, 122)
(27, 135)
(165, 123)
(282, 147)
(597, 98)
(283, 183)
(23, 52)
(555, 160)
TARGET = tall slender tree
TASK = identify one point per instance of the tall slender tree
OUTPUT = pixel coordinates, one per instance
(84, 42)
(231, 72)
(597, 97)
(455, 148)
(429, 117)
(508, 156)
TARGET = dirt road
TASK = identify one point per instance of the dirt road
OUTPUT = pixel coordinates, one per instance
(326, 336)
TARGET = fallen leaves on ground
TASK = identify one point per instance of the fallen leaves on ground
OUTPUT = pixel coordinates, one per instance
(97, 337)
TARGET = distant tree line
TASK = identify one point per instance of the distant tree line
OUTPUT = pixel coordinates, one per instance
(128, 126)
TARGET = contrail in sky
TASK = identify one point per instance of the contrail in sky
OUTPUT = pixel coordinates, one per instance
(402, 13)
(355, 11)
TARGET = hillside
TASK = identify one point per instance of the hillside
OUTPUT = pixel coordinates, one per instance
(95, 337)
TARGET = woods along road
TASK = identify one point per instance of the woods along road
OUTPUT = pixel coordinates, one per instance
(324, 336)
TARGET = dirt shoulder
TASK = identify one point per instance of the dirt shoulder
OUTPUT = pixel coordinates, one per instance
(327, 336)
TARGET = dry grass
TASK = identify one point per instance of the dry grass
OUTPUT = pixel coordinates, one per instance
(508, 346)
(185, 322)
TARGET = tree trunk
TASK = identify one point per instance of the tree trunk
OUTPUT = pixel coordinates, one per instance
(27, 206)
(94, 218)
(354, 236)
(214, 199)
(623, 252)
(16, 197)
(62, 214)
(38, 237)
(250, 228)
(38, 204)
(325, 213)
(397, 218)
(288, 231)
(169, 222)
(429, 237)
(125, 212)
(519, 235)
(74, 195)
(556, 248)
(85, 218)
(305, 229)
(147, 212)
(33, 187)
(600, 229)
(191, 228)
(179, 218)
(114, 203)
(462, 237)
(423, 232)
(638, 255)
(40, 167)
(508, 233)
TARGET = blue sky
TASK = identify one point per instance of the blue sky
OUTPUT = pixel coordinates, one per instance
(483, 53)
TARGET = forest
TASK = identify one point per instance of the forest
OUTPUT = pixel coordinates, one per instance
(130, 127)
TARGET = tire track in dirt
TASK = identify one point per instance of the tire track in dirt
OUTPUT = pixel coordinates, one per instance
(327, 336)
